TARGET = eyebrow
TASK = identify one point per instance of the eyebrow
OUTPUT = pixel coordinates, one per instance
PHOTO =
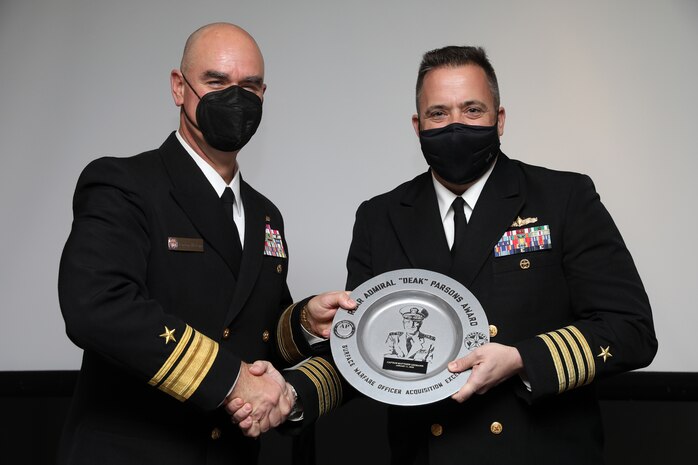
(213, 74)
(434, 107)
(257, 80)
(465, 104)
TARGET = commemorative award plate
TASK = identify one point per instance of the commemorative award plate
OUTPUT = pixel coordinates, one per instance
(408, 324)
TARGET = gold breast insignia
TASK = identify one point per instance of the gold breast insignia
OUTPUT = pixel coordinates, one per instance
(521, 222)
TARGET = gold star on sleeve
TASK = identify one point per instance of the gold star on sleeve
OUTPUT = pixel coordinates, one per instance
(187, 364)
(605, 353)
(168, 335)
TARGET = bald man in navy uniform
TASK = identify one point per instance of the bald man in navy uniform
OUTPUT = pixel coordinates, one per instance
(173, 281)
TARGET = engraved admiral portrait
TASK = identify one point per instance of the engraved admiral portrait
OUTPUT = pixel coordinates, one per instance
(411, 344)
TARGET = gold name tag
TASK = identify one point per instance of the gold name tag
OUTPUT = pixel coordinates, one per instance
(185, 244)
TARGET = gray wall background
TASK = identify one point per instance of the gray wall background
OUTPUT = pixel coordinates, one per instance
(603, 88)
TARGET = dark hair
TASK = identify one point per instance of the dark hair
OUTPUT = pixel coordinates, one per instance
(454, 56)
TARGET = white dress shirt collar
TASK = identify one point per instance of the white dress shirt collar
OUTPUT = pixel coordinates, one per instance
(213, 177)
(219, 185)
(446, 197)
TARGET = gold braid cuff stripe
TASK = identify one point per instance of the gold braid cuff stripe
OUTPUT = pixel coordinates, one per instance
(556, 361)
(586, 350)
(567, 358)
(576, 368)
(284, 338)
(332, 378)
(174, 356)
(191, 370)
(326, 381)
(578, 360)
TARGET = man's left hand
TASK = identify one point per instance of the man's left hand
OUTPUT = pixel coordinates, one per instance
(491, 363)
(321, 309)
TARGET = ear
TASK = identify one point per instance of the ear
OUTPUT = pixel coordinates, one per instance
(177, 87)
(415, 123)
(501, 117)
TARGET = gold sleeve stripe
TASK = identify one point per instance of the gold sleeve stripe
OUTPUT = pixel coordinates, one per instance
(332, 379)
(569, 366)
(586, 350)
(579, 361)
(318, 388)
(556, 361)
(284, 337)
(174, 356)
(559, 343)
(192, 368)
(326, 382)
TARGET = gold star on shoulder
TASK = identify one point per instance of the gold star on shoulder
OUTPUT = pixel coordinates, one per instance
(605, 353)
(168, 335)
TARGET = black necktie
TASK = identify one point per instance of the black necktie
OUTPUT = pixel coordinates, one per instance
(459, 225)
(228, 199)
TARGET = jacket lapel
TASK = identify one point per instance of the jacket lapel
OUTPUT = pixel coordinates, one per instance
(199, 201)
(253, 251)
(419, 228)
(500, 201)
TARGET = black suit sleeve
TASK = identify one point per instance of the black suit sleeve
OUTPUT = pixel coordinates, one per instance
(359, 268)
(319, 385)
(613, 331)
(104, 296)
(316, 378)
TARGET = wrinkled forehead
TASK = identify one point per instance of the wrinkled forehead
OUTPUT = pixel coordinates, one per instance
(463, 82)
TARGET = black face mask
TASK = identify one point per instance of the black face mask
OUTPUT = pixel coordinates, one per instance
(227, 118)
(460, 153)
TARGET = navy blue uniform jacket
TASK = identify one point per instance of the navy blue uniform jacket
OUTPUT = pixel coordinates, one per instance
(151, 252)
(560, 307)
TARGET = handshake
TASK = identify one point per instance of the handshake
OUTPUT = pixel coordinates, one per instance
(261, 398)
(268, 398)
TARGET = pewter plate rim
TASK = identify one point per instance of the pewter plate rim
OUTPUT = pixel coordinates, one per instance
(362, 341)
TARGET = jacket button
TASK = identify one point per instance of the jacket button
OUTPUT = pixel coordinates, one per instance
(226, 333)
(437, 430)
(496, 427)
(215, 433)
(279, 269)
(493, 330)
(525, 264)
(265, 336)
